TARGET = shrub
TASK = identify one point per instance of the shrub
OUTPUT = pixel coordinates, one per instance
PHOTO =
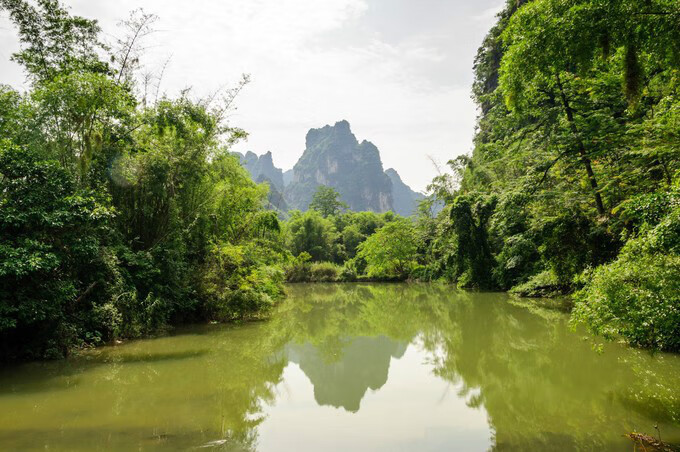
(543, 284)
(301, 270)
(638, 295)
(297, 270)
(349, 271)
(324, 272)
(233, 286)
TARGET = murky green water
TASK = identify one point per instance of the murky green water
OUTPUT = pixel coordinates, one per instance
(351, 367)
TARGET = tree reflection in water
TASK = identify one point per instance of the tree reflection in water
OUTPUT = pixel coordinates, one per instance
(541, 385)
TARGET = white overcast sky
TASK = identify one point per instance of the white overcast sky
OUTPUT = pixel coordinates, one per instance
(399, 71)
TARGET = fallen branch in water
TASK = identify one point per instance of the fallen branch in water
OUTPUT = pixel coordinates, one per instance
(650, 442)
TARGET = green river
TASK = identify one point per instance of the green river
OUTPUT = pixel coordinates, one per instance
(351, 368)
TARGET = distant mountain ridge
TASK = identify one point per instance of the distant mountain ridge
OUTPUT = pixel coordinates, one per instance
(262, 167)
(405, 199)
(334, 157)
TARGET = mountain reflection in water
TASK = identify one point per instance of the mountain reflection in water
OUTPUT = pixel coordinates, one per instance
(360, 367)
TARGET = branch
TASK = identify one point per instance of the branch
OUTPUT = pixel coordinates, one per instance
(89, 290)
(547, 170)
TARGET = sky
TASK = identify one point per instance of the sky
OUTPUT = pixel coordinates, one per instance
(400, 71)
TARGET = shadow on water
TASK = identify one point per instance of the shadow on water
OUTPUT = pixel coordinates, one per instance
(61, 375)
(124, 358)
(541, 386)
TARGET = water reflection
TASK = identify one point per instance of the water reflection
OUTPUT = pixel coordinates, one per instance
(435, 361)
(342, 381)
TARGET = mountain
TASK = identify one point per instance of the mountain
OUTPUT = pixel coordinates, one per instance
(287, 177)
(334, 157)
(405, 200)
(275, 197)
(262, 168)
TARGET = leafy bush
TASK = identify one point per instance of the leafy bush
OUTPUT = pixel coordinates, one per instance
(638, 295)
(349, 271)
(650, 208)
(301, 270)
(420, 273)
(234, 286)
(543, 284)
(297, 270)
(324, 272)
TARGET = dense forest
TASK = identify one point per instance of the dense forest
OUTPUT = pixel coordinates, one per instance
(573, 181)
(123, 211)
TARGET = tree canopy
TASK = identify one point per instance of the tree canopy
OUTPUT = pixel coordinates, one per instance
(327, 201)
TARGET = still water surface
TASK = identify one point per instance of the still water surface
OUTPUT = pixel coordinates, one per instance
(351, 367)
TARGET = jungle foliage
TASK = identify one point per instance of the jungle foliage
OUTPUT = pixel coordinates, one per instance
(119, 216)
(332, 244)
(572, 183)
(122, 213)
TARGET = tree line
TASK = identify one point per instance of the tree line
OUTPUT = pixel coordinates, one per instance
(122, 211)
(119, 214)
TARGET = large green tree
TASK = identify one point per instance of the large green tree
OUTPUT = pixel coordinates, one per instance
(327, 201)
(391, 251)
(311, 233)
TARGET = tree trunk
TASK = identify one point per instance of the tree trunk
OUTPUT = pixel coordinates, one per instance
(581, 149)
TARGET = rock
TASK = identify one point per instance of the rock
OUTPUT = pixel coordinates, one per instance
(404, 199)
(262, 167)
(334, 157)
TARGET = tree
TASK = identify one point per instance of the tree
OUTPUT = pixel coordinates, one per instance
(53, 41)
(391, 251)
(311, 233)
(575, 55)
(470, 215)
(327, 201)
(51, 261)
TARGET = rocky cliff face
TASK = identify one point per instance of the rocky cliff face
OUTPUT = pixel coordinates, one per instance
(287, 177)
(405, 200)
(334, 157)
(262, 168)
